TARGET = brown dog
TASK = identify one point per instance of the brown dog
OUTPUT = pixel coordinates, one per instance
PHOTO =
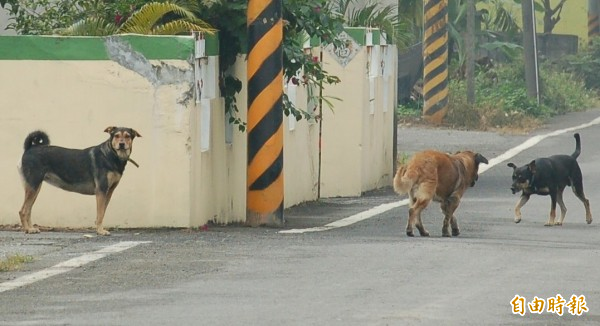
(432, 175)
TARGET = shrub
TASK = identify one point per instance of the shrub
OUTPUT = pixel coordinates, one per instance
(585, 64)
(502, 101)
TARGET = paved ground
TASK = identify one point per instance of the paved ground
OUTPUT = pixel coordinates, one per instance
(368, 273)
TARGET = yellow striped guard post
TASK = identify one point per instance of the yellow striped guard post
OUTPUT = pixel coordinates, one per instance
(264, 200)
(435, 59)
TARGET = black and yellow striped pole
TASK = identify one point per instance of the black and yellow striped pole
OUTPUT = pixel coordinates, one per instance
(264, 200)
(435, 60)
(593, 19)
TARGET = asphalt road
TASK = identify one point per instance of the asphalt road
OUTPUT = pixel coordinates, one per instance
(368, 273)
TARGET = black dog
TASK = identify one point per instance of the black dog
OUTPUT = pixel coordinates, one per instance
(550, 176)
(95, 170)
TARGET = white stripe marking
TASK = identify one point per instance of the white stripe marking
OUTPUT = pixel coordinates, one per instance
(493, 162)
(68, 265)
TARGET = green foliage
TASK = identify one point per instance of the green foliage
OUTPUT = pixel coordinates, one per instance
(410, 110)
(585, 64)
(233, 39)
(92, 26)
(308, 19)
(372, 13)
(42, 17)
(502, 101)
(496, 19)
(303, 18)
(150, 19)
(153, 18)
(564, 92)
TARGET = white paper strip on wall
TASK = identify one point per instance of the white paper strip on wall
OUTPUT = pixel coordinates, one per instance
(292, 91)
(306, 43)
(228, 129)
(386, 67)
(200, 45)
(375, 61)
(204, 124)
(372, 95)
(369, 37)
(209, 77)
(197, 81)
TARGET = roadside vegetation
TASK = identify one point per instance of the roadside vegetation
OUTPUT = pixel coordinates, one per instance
(568, 84)
(501, 100)
(14, 262)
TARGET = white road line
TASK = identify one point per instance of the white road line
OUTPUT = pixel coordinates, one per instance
(492, 162)
(68, 265)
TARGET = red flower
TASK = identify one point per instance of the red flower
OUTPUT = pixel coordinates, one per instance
(317, 9)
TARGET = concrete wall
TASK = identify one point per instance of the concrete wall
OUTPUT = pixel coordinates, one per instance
(73, 88)
(357, 134)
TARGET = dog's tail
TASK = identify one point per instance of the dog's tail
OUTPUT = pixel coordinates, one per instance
(403, 180)
(36, 138)
(577, 151)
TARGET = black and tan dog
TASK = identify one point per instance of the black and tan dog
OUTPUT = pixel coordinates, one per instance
(550, 176)
(95, 170)
(432, 175)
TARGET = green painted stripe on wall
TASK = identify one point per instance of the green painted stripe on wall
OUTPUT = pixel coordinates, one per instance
(93, 48)
(51, 48)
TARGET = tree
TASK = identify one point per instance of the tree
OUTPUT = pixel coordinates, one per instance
(42, 17)
(302, 18)
(371, 13)
(551, 15)
(154, 18)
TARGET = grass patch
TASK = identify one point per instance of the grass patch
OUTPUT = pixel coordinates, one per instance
(14, 262)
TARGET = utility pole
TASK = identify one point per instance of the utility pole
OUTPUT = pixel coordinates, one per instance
(435, 60)
(264, 197)
(530, 50)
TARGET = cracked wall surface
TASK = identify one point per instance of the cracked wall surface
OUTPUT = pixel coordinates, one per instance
(121, 52)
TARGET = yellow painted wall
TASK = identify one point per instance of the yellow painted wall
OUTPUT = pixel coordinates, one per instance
(573, 18)
(178, 184)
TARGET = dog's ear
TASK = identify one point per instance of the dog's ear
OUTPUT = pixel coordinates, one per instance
(480, 159)
(512, 165)
(532, 167)
(110, 129)
(135, 133)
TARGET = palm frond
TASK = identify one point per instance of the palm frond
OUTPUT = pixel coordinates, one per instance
(180, 26)
(148, 17)
(91, 26)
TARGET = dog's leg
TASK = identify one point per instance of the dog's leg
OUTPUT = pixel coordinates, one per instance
(101, 204)
(449, 206)
(25, 212)
(453, 220)
(414, 218)
(552, 208)
(563, 208)
(102, 200)
(420, 227)
(578, 190)
(522, 201)
(410, 222)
